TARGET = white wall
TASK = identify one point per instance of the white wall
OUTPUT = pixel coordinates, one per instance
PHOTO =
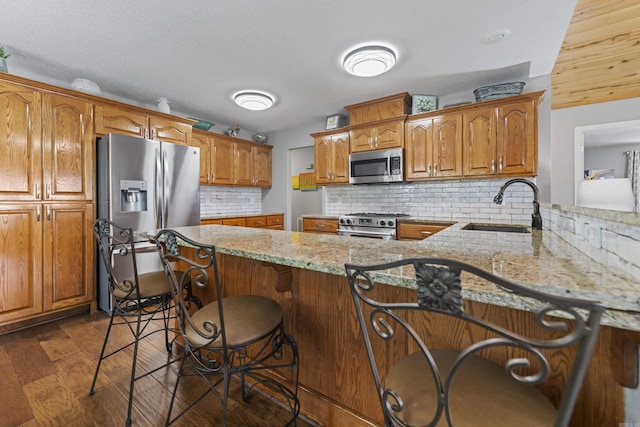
(609, 157)
(563, 152)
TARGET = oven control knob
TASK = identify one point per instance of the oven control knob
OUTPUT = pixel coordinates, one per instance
(341, 220)
(382, 223)
(348, 222)
(390, 223)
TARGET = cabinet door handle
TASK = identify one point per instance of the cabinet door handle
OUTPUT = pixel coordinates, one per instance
(426, 232)
(38, 213)
(48, 191)
(48, 213)
(493, 166)
(429, 170)
(500, 165)
(435, 170)
(37, 191)
(153, 134)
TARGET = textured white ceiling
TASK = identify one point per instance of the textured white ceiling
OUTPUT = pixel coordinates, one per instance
(197, 53)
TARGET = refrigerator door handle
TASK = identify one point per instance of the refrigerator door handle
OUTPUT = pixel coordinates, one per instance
(166, 190)
(158, 188)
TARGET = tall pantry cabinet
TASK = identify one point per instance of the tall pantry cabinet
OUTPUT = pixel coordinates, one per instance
(46, 201)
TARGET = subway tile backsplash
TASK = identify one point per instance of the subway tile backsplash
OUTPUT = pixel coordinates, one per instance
(229, 200)
(445, 200)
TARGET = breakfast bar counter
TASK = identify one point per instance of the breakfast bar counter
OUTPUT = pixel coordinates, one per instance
(305, 273)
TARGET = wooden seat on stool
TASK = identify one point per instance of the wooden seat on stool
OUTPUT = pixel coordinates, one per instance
(445, 387)
(241, 335)
(136, 301)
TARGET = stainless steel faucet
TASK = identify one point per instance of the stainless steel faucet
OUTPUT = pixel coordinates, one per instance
(536, 219)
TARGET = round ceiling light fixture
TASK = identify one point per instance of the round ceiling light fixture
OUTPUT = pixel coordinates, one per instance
(253, 100)
(369, 61)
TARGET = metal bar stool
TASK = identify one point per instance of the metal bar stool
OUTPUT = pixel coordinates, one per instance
(136, 301)
(241, 335)
(440, 387)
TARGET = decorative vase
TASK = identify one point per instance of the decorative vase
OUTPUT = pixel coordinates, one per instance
(163, 105)
(3, 65)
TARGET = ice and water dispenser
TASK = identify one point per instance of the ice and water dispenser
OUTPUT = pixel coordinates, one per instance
(133, 196)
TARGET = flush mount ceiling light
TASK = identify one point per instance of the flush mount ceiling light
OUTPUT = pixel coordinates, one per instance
(253, 100)
(369, 61)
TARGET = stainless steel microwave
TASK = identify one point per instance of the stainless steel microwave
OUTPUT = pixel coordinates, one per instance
(372, 167)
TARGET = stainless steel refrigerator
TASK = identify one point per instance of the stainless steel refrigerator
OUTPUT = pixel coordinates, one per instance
(146, 185)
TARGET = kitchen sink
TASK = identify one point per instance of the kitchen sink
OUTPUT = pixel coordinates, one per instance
(505, 228)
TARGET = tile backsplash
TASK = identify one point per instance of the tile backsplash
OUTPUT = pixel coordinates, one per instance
(446, 200)
(229, 200)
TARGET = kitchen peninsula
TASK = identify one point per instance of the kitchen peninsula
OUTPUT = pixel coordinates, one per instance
(304, 272)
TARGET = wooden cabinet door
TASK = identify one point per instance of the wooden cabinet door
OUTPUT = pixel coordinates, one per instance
(447, 146)
(113, 119)
(390, 135)
(517, 139)
(323, 159)
(479, 142)
(243, 164)
(67, 254)
(68, 148)
(20, 261)
(362, 139)
(340, 158)
(20, 143)
(168, 130)
(418, 150)
(222, 161)
(204, 144)
(262, 165)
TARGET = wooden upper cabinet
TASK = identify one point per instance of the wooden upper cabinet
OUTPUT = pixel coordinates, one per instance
(252, 164)
(222, 161)
(20, 143)
(169, 130)
(331, 153)
(21, 260)
(68, 148)
(517, 139)
(243, 164)
(501, 140)
(447, 145)
(68, 250)
(434, 147)
(129, 121)
(379, 136)
(479, 142)
(117, 120)
(262, 165)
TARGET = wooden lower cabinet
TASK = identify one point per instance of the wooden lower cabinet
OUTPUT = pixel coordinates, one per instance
(20, 261)
(46, 258)
(320, 225)
(419, 230)
(273, 222)
(68, 254)
(336, 385)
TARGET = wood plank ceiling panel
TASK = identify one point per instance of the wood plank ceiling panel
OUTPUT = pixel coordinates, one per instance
(600, 57)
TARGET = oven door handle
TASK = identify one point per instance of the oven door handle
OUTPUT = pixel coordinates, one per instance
(365, 233)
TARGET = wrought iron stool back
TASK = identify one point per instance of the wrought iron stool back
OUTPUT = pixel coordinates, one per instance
(438, 387)
(241, 335)
(137, 300)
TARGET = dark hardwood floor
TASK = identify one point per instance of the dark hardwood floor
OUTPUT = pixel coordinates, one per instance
(46, 373)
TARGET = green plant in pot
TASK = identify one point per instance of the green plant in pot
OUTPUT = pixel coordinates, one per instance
(3, 59)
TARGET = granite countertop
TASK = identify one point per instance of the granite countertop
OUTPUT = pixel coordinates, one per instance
(541, 260)
(240, 215)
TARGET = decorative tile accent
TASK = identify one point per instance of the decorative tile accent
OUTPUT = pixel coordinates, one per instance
(229, 200)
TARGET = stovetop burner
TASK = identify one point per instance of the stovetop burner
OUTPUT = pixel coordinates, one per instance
(374, 214)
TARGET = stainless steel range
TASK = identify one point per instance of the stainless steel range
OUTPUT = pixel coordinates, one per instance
(372, 225)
